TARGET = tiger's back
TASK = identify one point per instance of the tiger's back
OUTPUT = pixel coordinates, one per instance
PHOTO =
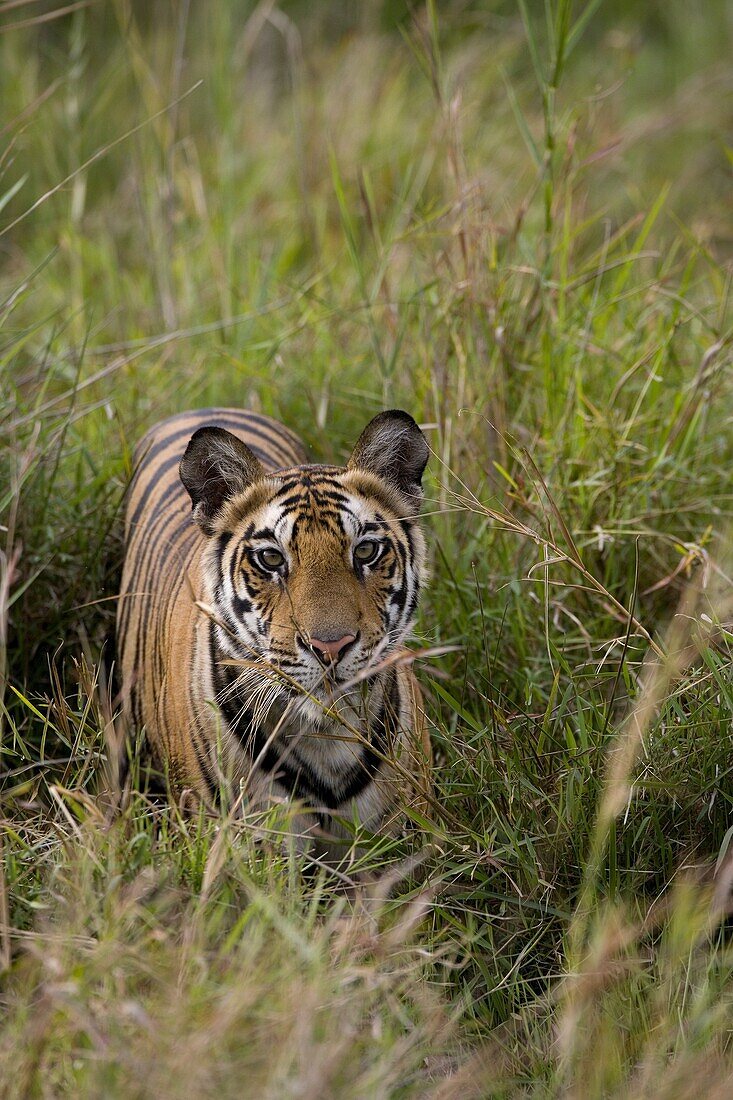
(179, 643)
(161, 575)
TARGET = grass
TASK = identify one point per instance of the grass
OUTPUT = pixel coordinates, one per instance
(513, 221)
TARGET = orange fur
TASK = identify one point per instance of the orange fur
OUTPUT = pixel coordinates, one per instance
(215, 649)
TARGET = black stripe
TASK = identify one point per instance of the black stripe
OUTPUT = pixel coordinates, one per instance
(199, 739)
(242, 606)
(147, 561)
(341, 500)
(398, 598)
(407, 527)
(234, 420)
(301, 781)
(221, 421)
(141, 569)
(380, 740)
(290, 502)
(155, 479)
(202, 757)
(299, 450)
(158, 445)
(174, 488)
(274, 426)
(285, 765)
(221, 545)
(224, 421)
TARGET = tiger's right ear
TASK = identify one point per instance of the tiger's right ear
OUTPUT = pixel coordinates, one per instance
(216, 466)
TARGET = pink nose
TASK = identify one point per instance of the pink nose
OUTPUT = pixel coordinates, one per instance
(327, 650)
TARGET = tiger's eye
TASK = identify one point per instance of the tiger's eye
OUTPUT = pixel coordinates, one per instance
(367, 552)
(270, 558)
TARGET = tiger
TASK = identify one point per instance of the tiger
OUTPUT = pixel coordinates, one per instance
(263, 611)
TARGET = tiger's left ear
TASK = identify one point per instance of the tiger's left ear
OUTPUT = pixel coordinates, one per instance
(216, 465)
(393, 447)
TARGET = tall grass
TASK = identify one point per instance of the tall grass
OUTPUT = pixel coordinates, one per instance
(512, 220)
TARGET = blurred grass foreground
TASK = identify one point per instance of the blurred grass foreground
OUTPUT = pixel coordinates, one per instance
(512, 218)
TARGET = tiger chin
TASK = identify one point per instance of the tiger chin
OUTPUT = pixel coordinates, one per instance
(263, 611)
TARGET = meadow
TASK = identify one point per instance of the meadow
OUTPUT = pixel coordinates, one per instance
(511, 218)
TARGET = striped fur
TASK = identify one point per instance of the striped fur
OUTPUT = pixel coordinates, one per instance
(215, 646)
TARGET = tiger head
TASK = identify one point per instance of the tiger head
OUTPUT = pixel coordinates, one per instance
(314, 571)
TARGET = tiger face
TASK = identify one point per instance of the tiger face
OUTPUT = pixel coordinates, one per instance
(313, 572)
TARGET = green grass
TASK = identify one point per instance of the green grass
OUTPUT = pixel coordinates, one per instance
(513, 220)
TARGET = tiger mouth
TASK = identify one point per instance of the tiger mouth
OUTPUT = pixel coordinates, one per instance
(295, 680)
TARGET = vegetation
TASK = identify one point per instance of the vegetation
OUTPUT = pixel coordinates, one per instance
(511, 219)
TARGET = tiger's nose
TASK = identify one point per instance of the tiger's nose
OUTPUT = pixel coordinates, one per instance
(330, 650)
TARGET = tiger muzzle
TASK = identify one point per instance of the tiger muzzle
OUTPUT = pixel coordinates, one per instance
(330, 650)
